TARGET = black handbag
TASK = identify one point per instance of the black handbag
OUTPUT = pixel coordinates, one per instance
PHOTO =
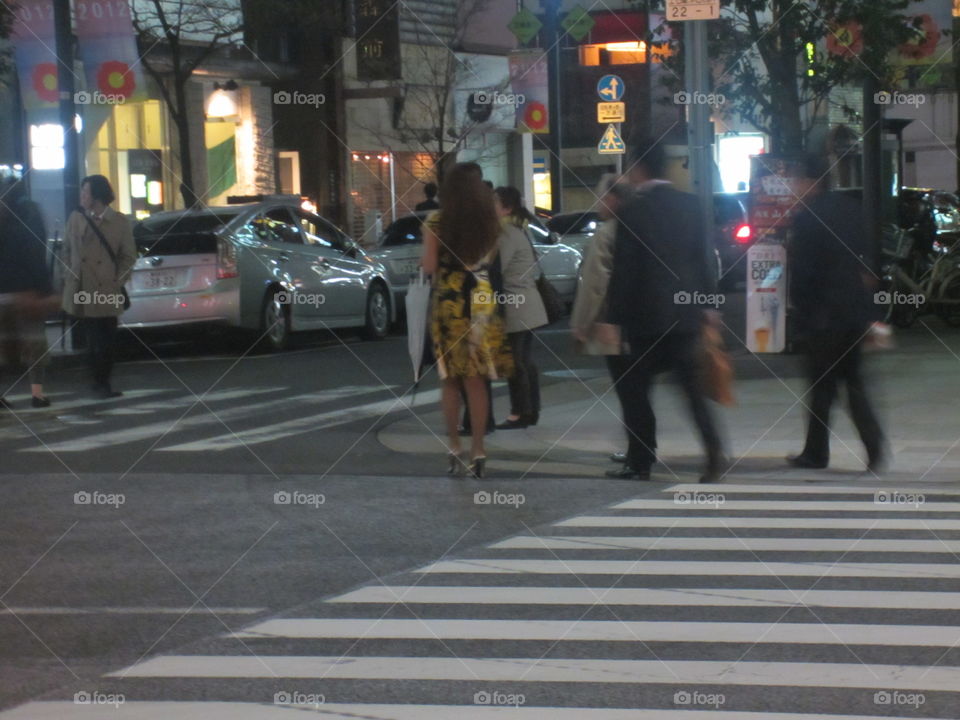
(111, 254)
(552, 302)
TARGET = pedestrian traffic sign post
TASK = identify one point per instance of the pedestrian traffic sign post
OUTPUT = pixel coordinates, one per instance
(682, 10)
(611, 143)
(611, 112)
(610, 88)
(525, 25)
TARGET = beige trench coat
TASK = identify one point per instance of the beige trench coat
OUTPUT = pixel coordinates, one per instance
(523, 306)
(591, 302)
(92, 283)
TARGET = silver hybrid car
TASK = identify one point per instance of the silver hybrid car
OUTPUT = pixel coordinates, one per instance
(268, 266)
(401, 245)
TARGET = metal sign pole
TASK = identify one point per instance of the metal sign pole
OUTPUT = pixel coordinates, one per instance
(551, 9)
(620, 156)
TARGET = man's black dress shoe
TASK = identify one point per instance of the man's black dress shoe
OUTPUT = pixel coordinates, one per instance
(802, 461)
(517, 424)
(628, 473)
(466, 432)
(105, 392)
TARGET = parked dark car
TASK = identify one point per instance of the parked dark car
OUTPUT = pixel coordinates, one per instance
(934, 216)
(732, 235)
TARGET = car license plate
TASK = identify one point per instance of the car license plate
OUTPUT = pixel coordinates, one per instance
(157, 279)
(406, 267)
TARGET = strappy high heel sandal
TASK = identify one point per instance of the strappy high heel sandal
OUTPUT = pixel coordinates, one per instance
(478, 468)
(456, 465)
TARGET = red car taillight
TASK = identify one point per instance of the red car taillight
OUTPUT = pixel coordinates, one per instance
(744, 234)
(226, 259)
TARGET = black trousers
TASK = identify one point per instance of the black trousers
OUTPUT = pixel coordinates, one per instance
(676, 352)
(617, 365)
(100, 335)
(834, 357)
(524, 384)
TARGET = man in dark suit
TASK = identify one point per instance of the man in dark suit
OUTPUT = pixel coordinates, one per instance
(658, 296)
(833, 281)
(430, 193)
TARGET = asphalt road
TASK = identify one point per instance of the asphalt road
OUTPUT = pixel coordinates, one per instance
(91, 587)
(228, 488)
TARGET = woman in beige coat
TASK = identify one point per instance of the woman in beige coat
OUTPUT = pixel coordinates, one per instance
(523, 307)
(95, 276)
(590, 306)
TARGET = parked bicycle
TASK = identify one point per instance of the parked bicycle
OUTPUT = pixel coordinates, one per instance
(915, 281)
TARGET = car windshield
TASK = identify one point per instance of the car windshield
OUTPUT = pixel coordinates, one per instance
(405, 231)
(946, 213)
(181, 234)
(567, 223)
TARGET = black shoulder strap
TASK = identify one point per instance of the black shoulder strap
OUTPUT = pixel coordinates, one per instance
(103, 241)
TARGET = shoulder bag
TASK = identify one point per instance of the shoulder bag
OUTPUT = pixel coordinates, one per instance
(552, 302)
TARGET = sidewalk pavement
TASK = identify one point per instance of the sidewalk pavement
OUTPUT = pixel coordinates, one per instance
(915, 389)
(62, 355)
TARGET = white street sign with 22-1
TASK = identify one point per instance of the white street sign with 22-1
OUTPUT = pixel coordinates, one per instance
(680, 10)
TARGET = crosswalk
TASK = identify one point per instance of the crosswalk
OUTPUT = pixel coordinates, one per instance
(762, 602)
(180, 421)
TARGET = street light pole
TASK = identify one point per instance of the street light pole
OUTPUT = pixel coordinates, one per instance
(71, 156)
(699, 129)
(554, 141)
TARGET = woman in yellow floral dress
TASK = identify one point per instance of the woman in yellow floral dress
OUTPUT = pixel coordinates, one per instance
(469, 342)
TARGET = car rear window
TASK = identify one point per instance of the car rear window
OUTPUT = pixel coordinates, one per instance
(405, 231)
(180, 234)
(728, 210)
(574, 223)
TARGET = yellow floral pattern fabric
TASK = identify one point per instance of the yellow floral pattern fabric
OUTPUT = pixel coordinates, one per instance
(469, 338)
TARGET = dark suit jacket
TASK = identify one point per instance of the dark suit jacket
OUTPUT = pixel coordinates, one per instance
(427, 205)
(829, 257)
(23, 249)
(660, 254)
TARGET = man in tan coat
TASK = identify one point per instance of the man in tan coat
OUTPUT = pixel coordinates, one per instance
(590, 307)
(99, 254)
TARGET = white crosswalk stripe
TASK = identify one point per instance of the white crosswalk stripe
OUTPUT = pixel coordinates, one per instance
(530, 628)
(207, 414)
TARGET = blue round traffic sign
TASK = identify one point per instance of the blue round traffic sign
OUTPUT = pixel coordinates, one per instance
(610, 88)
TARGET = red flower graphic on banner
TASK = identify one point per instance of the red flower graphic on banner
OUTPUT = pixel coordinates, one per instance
(535, 116)
(116, 78)
(846, 40)
(925, 43)
(45, 82)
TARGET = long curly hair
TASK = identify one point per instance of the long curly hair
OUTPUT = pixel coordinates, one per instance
(468, 227)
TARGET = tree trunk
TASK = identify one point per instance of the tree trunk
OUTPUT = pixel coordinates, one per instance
(789, 139)
(180, 116)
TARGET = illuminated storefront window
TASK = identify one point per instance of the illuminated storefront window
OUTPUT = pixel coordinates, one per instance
(126, 144)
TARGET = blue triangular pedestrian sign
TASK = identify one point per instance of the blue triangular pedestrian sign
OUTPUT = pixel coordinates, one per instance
(611, 143)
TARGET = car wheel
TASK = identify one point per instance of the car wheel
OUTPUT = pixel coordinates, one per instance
(275, 322)
(378, 313)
